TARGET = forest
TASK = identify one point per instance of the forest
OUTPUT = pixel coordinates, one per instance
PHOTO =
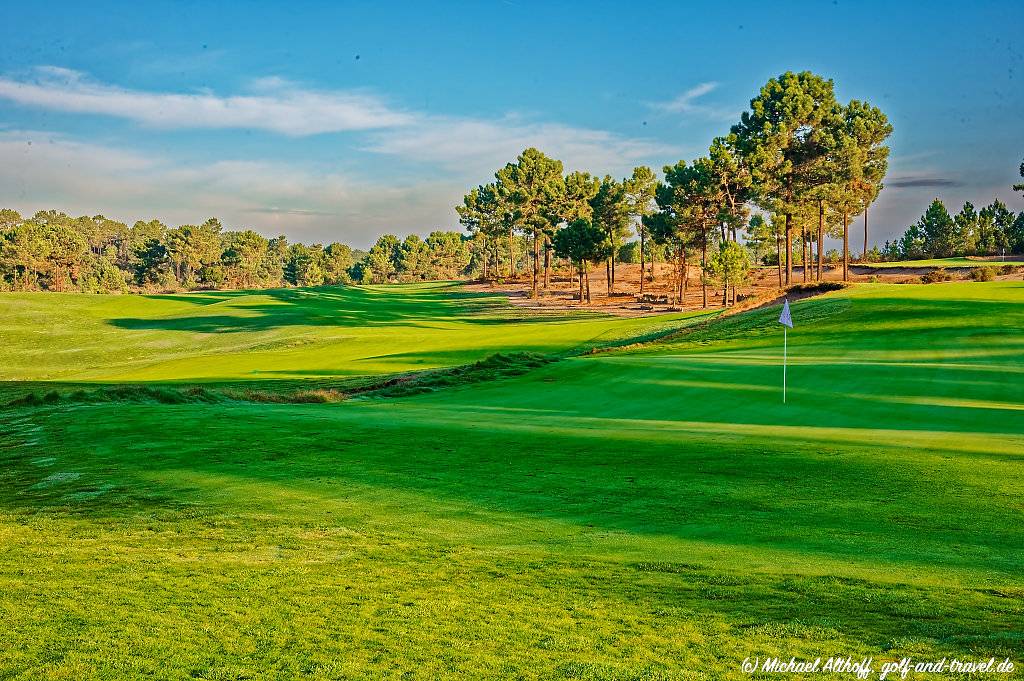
(52, 251)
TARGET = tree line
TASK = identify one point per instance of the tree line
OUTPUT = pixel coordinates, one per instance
(806, 163)
(993, 230)
(53, 251)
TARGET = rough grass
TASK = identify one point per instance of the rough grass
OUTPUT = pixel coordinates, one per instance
(492, 368)
(651, 513)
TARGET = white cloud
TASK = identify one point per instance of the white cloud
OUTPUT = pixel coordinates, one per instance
(39, 170)
(479, 147)
(686, 103)
(442, 154)
(275, 104)
(470, 146)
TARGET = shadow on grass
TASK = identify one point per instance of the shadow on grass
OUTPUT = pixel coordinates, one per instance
(794, 508)
(339, 306)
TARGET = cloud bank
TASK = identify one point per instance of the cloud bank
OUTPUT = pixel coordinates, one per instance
(41, 170)
(469, 146)
(274, 104)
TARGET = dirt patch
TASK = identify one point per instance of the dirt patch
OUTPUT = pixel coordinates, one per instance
(561, 292)
(794, 293)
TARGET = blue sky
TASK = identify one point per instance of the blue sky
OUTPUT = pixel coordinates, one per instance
(339, 121)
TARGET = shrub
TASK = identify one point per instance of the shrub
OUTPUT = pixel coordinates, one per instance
(982, 274)
(629, 252)
(818, 287)
(939, 274)
(1007, 269)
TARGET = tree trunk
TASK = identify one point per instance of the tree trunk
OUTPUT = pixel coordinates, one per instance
(511, 254)
(704, 267)
(586, 275)
(809, 260)
(536, 263)
(686, 275)
(789, 249)
(725, 280)
(642, 244)
(864, 257)
(613, 269)
(778, 256)
(821, 236)
(579, 270)
(547, 260)
(846, 247)
(681, 280)
(805, 246)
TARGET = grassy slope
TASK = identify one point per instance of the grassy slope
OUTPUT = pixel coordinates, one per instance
(622, 515)
(264, 335)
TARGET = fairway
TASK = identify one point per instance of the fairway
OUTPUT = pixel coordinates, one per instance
(652, 511)
(265, 335)
(941, 262)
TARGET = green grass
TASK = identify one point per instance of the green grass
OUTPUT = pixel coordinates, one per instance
(939, 262)
(649, 513)
(279, 334)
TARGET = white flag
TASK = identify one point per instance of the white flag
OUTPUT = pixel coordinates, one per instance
(785, 317)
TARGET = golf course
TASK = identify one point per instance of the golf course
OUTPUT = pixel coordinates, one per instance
(492, 492)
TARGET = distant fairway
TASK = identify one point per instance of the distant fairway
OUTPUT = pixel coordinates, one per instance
(940, 262)
(648, 513)
(265, 335)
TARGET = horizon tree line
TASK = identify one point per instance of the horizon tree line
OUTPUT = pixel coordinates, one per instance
(55, 252)
(992, 230)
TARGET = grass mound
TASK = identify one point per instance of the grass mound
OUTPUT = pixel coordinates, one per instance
(497, 366)
(120, 393)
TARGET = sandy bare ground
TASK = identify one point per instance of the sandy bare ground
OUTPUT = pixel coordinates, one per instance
(561, 293)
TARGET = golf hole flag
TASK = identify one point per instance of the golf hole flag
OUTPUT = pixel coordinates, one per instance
(786, 319)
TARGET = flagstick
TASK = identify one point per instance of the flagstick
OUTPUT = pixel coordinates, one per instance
(787, 322)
